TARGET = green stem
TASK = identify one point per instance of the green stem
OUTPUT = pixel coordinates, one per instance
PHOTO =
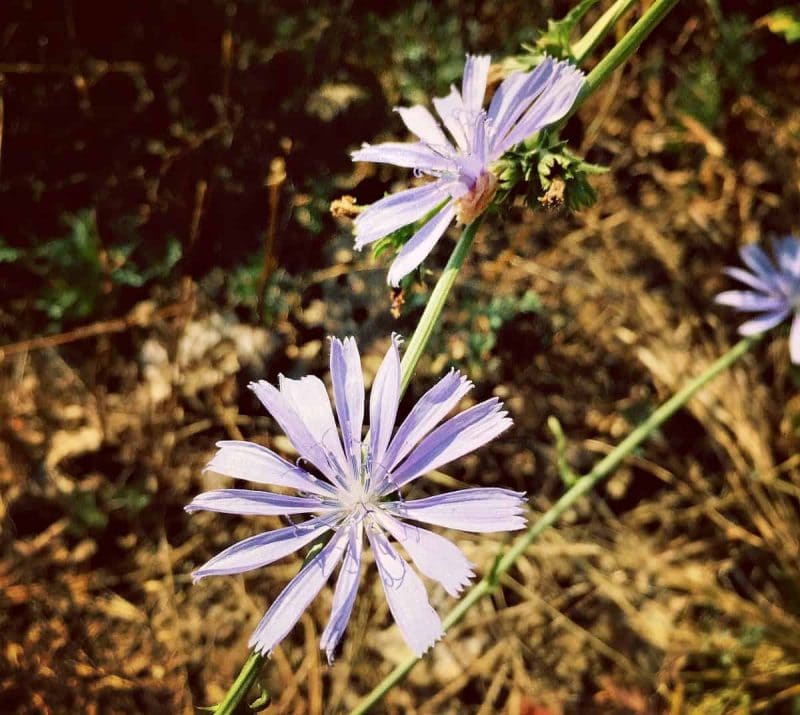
(241, 686)
(582, 486)
(625, 47)
(586, 45)
(430, 316)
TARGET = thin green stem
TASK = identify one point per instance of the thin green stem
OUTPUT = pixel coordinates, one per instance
(626, 46)
(585, 46)
(430, 316)
(582, 486)
(241, 686)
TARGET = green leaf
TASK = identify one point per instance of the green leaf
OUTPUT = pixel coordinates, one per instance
(554, 41)
(784, 21)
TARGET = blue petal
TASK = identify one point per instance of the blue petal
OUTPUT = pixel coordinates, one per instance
(252, 502)
(763, 322)
(420, 245)
(460, 435)
(473, 84)
(410, 155)
(263, 549)
(287, 608)
(344, 596)
(481, 510)
(398, 210)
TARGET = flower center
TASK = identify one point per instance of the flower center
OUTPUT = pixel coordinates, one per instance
(469, 207)
(356, 496)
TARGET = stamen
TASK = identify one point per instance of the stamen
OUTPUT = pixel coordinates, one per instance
(469, 207)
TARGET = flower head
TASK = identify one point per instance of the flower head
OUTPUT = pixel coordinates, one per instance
(464, 183)
(775, 290)
(356, 495)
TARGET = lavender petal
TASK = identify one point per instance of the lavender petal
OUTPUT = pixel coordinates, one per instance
(420, 244)
(420, 122)
(749, 279)
(398, 210)
(436, 557)
(751, 302)
(310, 402)
(246, 460)
(481, 510)
(514, 97)
(787, 255)
(758, 261)
(287, 608)
(410, 155)
(281, 409)
(762, 323)
(252, 502)
(429, 410)
(460, 435)
(406, 596)
(263, 549)
(473, 84)
(348, 392)
(344, 596)
(452, 111)
(383, 401)
(552, 105)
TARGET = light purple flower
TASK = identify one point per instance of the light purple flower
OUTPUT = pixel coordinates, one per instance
(775, 293)
(464, 183)
(357, 494)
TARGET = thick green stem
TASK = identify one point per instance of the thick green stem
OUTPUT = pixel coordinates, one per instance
(241, 686)
(430, 316)
(582, 486)
(584, 47)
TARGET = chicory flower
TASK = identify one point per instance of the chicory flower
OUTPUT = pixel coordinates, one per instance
(464, 184)
(775, 290)
(356, 494)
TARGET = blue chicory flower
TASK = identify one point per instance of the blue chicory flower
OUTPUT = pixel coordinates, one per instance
(775, 293)
(358, 494)
(464, 183)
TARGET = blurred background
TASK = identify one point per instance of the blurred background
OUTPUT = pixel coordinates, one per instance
(166, 171)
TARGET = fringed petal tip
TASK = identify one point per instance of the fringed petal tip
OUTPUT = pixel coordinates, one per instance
(260, 648)
(254, 385)
(354, 154)
(420, 651)
(569, 71)
(397, 339)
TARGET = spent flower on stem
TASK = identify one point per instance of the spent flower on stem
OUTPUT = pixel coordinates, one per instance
(464, 183)
(356, 495)
(774, 290)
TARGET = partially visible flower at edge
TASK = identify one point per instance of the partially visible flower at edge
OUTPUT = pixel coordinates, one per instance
(353, 498)
(464, 184)
(775, 293)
